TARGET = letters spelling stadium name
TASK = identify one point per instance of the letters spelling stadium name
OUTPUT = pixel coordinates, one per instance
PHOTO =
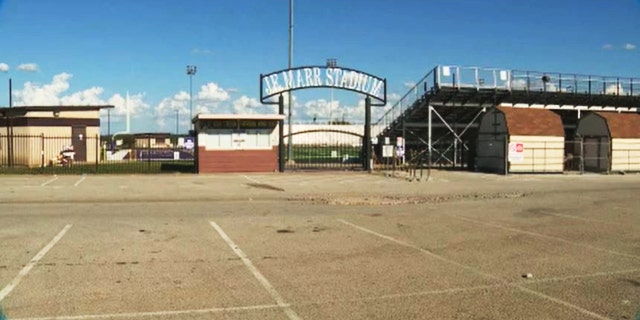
(332, 77)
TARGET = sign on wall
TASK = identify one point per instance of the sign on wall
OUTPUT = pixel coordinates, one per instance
(516, 152)
(387, 151)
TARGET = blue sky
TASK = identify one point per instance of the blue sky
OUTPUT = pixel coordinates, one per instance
(94, 51)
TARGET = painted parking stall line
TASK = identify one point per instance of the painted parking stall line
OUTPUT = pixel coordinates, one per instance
(250, 179)
(8, 288)
(156, 313)
(544, 236)
(44, 184)
(84, 176)
(476, 271)
(257, 274)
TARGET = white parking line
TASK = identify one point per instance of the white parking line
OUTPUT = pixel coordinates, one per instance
(540, 235)
(455, 290)
(156, 313)
(32, 263)
(84, 176)
(256, 273)
(567, 216)
(251, 179)
(476, 271)
(44, 184)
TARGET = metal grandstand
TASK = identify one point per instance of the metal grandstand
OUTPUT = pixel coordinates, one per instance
(438, 117)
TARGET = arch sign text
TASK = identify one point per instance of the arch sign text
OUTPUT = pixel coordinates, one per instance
(278, 82)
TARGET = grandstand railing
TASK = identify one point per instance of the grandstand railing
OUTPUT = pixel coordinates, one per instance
(427, 84)
(451, 76)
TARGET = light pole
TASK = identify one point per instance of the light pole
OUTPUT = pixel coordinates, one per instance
(177, 122)
(289, 137)
(331, 63)
(191, 71)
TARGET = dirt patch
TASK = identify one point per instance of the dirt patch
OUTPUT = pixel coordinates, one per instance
(400, 199)
(285, 231)
(535, 213)
(318, 229)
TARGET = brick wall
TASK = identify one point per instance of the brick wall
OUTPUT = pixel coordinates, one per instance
(237, 160)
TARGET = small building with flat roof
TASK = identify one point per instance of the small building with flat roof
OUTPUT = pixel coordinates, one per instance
(31, 135)
(237, 143)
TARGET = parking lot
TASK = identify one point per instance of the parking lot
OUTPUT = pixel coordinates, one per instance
(336, 245)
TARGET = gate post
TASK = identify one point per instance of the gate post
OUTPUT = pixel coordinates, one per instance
(281, 135)
(366, 144)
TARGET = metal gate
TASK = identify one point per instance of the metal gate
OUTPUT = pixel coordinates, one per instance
(324, 149)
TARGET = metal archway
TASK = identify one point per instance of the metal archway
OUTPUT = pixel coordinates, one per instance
(275, 84)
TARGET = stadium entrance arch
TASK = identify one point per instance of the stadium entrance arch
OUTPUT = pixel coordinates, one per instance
(339, 147)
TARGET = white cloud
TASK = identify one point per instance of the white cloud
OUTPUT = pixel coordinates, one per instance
(629, 46)
(168, 107)
(409, 84)
(54, 94)
(201, 51)
(607, 46)
(29, 67)
(211, 92)
(4, 67)
(136, 104)
(86, 97)
(48, 94)
(210, 99)
(614, 89)
(249, 105)
(320, 109)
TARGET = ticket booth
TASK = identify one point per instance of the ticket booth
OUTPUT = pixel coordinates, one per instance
(236, 143)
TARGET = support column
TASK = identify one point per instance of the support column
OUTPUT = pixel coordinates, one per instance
(281, 135)
(366, 144)
(430, 135)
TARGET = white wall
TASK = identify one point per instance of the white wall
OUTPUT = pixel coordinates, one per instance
(625, 154)
(541, 154)
(228, 139)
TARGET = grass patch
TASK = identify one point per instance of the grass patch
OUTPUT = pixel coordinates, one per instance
(109, 168)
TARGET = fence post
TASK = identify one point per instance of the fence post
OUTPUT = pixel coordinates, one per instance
(42, 150)
(506, 154)
(149, 153)
(581, 142)
(97, 152)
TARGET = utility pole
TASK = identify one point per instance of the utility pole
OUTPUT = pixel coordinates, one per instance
(331, 63)
(290, 138)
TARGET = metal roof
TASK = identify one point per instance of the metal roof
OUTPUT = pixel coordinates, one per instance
(622, 125)
(239, 117)
(532, 122)
(22, 110)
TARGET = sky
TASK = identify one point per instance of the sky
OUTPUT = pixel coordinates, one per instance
(89, 52)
